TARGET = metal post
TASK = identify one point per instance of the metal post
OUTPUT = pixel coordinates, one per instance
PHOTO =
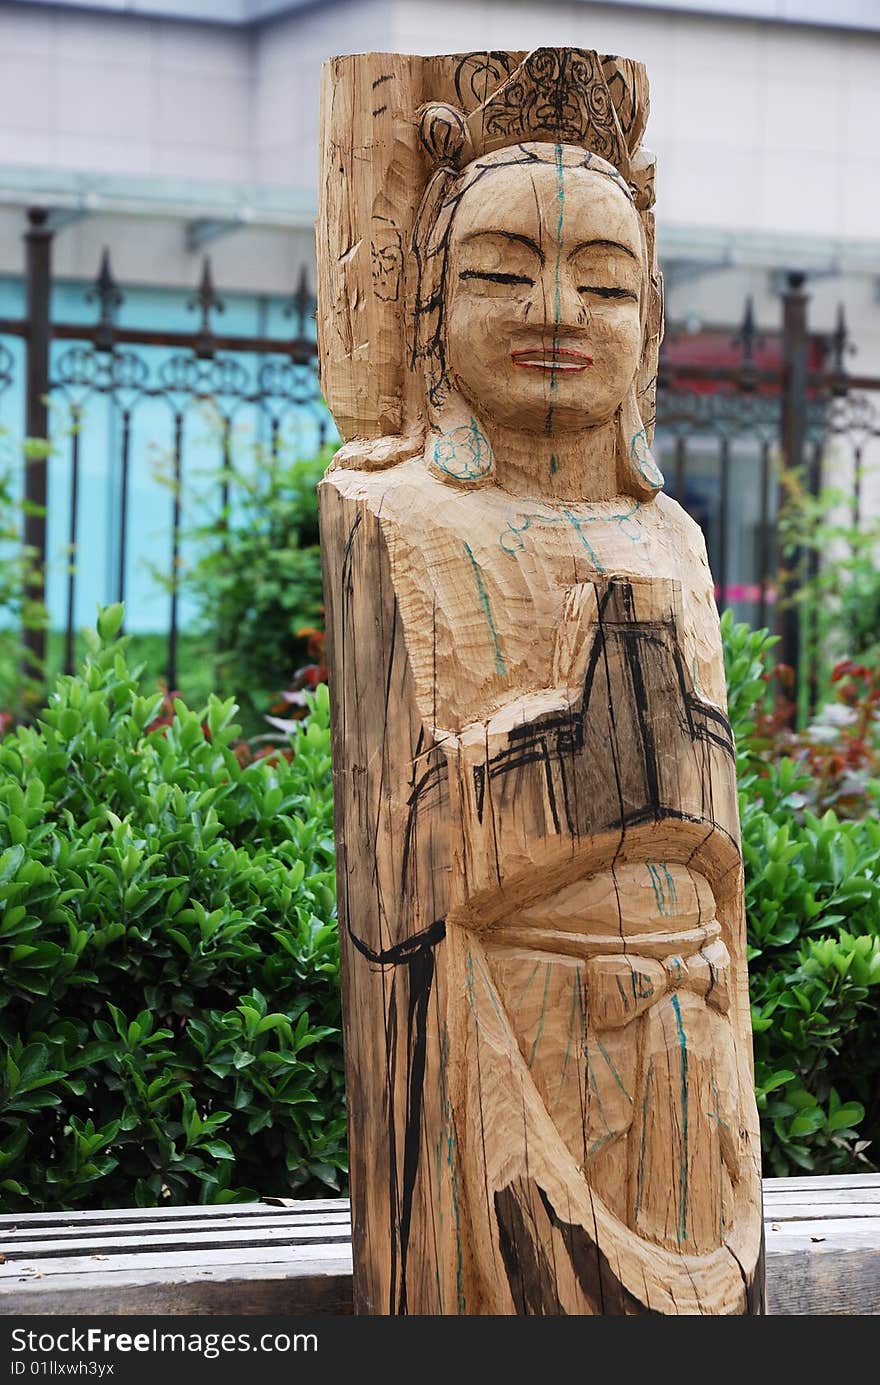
(794, 427)
(38, 254)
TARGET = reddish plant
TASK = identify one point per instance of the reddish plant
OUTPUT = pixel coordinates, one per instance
(293, 700)
(840, 748)
(165, 715)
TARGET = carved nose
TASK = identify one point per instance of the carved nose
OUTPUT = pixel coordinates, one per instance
(564, 308)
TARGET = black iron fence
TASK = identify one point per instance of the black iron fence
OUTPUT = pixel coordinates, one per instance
(130, 370)
(730, 430)
(765, 418)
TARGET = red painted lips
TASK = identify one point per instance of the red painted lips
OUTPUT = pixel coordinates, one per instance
(558, 358)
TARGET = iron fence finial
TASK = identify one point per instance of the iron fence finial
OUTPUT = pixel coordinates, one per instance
(841, 347)
(109, 297)
(206, 301)
(301, 306)
(750, 340)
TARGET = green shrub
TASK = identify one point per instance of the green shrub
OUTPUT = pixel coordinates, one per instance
(257, 580)
(169, 1019)
(19, 609)
(813, 910)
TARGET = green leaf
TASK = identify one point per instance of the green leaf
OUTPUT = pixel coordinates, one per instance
(807, 1122)
(109, 621)
(849, 1115)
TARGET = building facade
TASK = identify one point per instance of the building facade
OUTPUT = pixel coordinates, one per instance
(165, 129)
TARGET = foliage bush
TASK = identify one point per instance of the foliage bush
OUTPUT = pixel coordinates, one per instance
(19, 610)
(813, 908)
(256, 580)
(169, 1020)
(834, 555)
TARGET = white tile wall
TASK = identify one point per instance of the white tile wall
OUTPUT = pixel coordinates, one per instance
(24, 80)
(800, 117)
(24, 148)
(802, 194)
(202, 49)
(860, 136)
(808, 55)
(287, 60)
(699, 186)
(292, 164)
(112, 93)
(202, 111)
(344, 26)
(29, 33)
(91, 98)
(85, 151)
(719, 108)
(110, 39)
(860, 182)
(202, 163)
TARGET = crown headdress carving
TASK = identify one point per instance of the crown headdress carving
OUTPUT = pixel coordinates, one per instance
(555, 96)
(566, 96)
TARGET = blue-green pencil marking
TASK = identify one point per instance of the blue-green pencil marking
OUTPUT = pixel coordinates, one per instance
(575, 997)
(490, 987)
(560, 202)
(500, 664)
(607, 1056)
(600, 1143)
(576, 525)
(663, 885)
(557, 282)
(529, 979)
(640, 1178)
(540, 1029)
(683, 1176)
(657, 886)
(670, 883)
(593, 1086)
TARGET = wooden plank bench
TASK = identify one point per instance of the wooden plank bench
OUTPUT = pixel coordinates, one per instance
(823, 1255)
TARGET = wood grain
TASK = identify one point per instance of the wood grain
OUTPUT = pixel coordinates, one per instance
(547, 1029)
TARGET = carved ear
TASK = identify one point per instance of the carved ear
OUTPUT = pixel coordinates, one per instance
(444, 134)
(457, 450)
(637, 472)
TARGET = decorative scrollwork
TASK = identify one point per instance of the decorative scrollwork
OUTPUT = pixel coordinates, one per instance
(285, 380)
(725, 414)
(477, 74)
(854, 414)
(181, 378)
(82, 367)
(558, 94)
(186, 373)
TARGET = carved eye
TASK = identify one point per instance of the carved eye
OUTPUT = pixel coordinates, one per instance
(606, 271)
(497, 277)
(499, 264)
(607, 291)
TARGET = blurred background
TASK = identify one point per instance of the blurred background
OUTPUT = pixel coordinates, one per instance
(158, 183)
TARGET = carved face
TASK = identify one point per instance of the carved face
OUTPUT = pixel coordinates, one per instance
(543, 287)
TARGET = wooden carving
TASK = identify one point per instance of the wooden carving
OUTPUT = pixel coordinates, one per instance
(540, 882)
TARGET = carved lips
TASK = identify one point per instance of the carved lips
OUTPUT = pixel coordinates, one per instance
(551, 358)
